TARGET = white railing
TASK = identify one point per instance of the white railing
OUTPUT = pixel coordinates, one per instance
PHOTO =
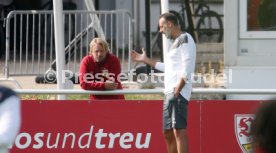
(147, 91)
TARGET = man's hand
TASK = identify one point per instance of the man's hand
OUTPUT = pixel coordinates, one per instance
(138, 57)
(179, 87)
(110, 85)
(142, 58)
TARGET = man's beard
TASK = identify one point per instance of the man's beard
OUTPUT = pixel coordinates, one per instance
(100, 59)
(168, 34)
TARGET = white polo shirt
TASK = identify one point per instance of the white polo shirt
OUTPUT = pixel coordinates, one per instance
(179, 63)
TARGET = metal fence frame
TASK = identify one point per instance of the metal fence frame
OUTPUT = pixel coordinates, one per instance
(127, 17)
(148, 91)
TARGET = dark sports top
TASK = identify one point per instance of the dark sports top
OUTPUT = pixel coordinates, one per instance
(5, 93)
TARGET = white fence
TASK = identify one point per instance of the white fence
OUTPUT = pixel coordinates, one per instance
(30, 39)
(149, 91)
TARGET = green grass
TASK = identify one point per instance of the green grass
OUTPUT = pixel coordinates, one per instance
(144, 97)
(86, 97)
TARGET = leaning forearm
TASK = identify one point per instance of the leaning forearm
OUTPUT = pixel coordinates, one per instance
(92, 85)
(150, 62)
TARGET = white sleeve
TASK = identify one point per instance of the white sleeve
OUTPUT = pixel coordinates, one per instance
(188, 60)
(160, 66)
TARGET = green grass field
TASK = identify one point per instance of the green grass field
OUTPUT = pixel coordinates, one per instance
(85, 97)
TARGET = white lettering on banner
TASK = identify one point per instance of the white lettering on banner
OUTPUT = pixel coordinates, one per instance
(38, 140)
(54, 145)
(102, 140)
(73, 139)
(27, 143)
(99, 136)
(112, 139)
(125, 138)
(89, 137)
(138, 139)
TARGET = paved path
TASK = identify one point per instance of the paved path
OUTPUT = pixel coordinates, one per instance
(28, 82)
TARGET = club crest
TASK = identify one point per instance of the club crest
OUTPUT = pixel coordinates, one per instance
(242, 130)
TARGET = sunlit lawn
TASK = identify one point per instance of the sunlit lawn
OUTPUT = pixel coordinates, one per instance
(85, 97)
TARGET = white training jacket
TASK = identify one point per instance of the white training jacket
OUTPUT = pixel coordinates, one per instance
(179, 63)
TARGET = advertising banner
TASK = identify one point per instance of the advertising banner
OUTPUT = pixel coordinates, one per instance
(225, 126)
(85, 127)
(130, 126)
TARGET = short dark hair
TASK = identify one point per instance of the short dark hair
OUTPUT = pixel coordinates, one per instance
(170, 17)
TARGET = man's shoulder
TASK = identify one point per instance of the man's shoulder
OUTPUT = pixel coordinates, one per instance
(113, 57)
(186, 39)
(87, 58)
(180, 40)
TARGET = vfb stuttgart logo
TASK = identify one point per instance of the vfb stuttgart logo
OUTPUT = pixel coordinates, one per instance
(242, 129)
